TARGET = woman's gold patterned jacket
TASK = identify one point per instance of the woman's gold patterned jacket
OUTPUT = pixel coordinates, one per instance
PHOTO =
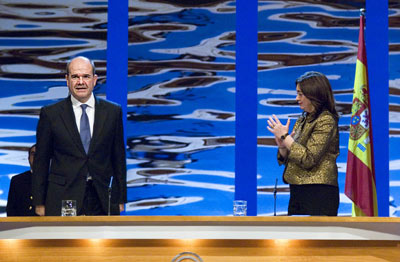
(312, 156)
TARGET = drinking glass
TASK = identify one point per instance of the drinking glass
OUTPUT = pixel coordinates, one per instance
(68, 208)
(239, 207)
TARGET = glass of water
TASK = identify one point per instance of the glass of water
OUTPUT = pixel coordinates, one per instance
(239, 207)
(68, 208)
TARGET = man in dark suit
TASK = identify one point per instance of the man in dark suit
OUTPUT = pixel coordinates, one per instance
(19, 201)
(80, 150)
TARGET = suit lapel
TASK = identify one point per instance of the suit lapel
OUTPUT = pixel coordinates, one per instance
(68, 116)
(100, 116)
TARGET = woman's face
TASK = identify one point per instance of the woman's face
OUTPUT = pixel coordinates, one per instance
(304, 102)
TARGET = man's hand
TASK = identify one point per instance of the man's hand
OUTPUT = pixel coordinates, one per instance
(121, 207)
(40, 210)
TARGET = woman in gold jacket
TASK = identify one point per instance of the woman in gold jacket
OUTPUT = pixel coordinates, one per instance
(310, 151)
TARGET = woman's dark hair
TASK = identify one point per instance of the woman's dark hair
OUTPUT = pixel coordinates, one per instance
(316, 87)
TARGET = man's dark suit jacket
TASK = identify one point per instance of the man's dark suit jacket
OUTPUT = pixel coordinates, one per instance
(61, 164)
(19, 201)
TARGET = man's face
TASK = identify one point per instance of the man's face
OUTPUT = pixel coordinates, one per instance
(80, 79)
(32, 153)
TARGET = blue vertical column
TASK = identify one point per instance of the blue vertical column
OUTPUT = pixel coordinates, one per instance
(377, 44)
(246, 104)
(117, 54)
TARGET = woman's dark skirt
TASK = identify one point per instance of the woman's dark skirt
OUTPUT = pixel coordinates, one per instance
(313, 200)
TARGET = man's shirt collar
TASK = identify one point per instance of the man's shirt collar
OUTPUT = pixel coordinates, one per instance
(77, 103)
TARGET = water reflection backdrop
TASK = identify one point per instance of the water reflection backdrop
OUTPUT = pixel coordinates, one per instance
(181, 93)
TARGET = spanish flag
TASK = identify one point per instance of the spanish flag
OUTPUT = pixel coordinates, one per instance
(360, 173)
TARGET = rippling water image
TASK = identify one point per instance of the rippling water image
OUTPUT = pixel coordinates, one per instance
(181, 95)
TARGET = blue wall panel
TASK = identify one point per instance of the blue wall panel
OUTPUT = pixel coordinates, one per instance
(246, 104)
(117, 54)
(377, 44)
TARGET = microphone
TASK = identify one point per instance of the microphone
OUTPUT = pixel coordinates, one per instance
(109, 197)
(275, 191)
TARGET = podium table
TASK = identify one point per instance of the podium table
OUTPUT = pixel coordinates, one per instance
(205, 238)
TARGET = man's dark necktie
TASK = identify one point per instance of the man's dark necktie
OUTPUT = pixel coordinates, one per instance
(85, 128)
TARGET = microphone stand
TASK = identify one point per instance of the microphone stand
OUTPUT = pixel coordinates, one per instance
(109, 196)
(275, 191)
(109, 201)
